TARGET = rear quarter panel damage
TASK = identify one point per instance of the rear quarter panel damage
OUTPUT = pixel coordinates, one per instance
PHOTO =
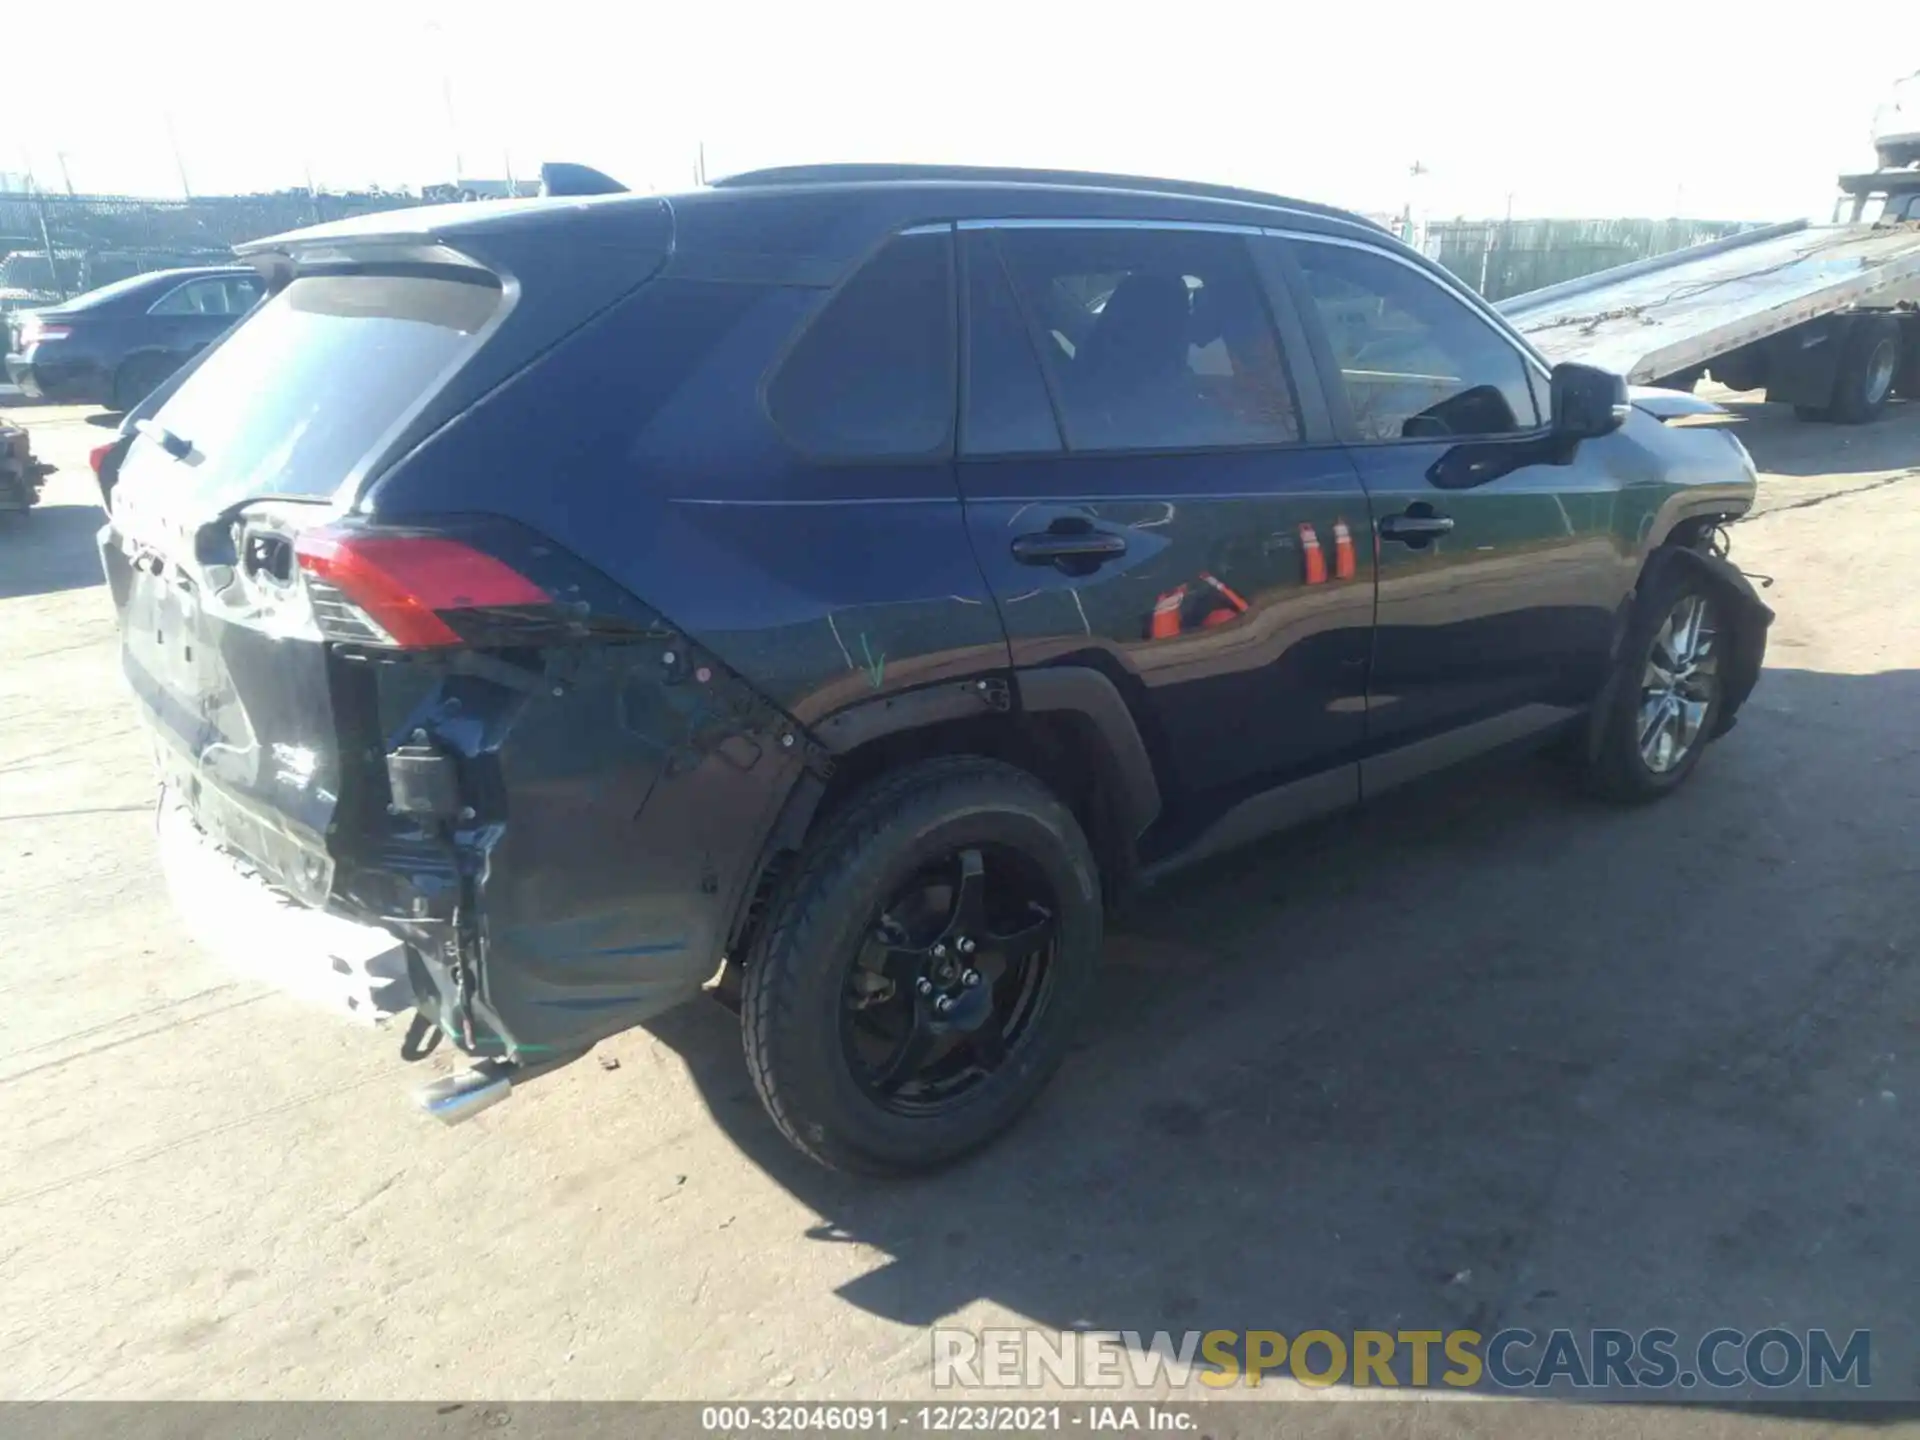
(635, 805)
(617, 799)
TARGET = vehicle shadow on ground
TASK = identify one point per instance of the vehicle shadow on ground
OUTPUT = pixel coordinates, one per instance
(1784, 445)
(1485, 1055)
(48, 549)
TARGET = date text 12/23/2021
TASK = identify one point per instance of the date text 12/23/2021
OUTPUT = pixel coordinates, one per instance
(746, 1420)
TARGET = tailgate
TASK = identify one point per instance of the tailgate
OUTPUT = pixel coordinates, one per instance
(267, 438)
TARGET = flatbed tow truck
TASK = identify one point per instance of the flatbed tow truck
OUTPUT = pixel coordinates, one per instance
(1825, 318)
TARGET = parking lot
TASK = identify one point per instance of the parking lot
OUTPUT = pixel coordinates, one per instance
(1489, 1054)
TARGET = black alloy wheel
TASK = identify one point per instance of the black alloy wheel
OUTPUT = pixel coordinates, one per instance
(917, 977)
(954, 975)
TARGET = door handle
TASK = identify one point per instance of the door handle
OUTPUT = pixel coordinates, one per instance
(1414, 528)
(1075, 547)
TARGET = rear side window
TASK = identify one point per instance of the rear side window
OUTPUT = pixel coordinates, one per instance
(1417, 364)
(294, 399)
(872, 376)
(1153, 339)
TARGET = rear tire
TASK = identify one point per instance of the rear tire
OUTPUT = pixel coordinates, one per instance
(812, 975)
(139, 378)
(1868, 364)
(1907, 383)
(1628, 765)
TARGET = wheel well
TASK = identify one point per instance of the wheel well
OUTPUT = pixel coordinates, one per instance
(138, 362)
(1062, 749)
(1694, 542)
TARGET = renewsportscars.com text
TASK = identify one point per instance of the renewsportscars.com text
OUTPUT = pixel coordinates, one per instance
(1512, 1359)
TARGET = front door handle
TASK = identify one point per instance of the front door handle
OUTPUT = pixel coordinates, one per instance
(1415, 528)
(1072, 548)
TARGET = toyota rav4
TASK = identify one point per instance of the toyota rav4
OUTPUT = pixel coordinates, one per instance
(839, 588)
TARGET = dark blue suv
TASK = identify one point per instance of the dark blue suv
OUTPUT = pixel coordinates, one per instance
(839, 588)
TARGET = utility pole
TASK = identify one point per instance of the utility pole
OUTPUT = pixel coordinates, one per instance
(65, 178)
(179, 164)
(46, 235)
(1414, 173)
(453, 128)
(436, 41)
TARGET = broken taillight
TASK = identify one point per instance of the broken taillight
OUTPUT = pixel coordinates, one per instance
(372, 588)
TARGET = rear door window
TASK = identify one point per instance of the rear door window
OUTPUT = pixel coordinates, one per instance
(292, 401)
(1414, 361)
(872, 376)
(1006, 409)
(1152, 339)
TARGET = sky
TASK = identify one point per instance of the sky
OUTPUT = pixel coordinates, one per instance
(1541, 108)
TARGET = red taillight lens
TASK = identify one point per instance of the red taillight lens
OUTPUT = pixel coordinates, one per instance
(97, 457)
(401, 583)
(34, 331)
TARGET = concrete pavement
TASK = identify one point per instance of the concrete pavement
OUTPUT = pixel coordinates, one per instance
(1488, 1054)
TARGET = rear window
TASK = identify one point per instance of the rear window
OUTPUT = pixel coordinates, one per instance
(303, 391)
(872, 376)
(107, 294)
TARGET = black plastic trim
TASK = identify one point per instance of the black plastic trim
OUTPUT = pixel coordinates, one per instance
(1087, 692)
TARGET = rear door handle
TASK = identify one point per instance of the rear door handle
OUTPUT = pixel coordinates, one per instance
(1415, 527)
(1050, 547)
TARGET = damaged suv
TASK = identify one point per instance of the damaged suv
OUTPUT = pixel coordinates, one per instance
(839, 588)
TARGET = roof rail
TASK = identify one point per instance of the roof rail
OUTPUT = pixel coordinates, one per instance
(998, 175)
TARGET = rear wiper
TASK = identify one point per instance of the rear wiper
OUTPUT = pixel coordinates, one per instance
(175, 445)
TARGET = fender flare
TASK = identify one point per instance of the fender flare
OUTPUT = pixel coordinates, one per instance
(1746, 652)
(1077, 689)
(1090, 694)
(1753, 616)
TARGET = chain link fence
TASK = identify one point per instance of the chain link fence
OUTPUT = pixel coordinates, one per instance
(1510, 257)
(55, 246)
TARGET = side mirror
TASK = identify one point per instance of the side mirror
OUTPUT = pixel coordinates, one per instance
(1587, 402)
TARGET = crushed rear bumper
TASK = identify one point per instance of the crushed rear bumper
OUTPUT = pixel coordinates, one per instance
(263, 933)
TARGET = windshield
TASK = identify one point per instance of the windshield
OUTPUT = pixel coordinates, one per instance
(304, 390)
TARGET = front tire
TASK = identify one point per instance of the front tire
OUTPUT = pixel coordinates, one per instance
(1666, 699)
(921, 969)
